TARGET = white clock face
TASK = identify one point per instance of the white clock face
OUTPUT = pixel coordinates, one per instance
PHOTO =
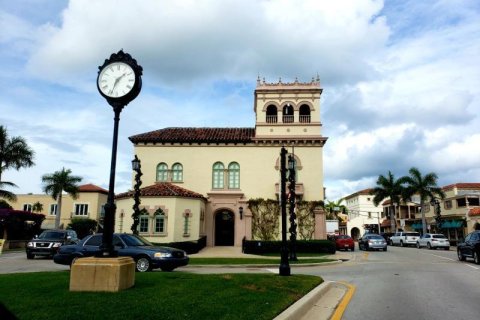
(116, 80)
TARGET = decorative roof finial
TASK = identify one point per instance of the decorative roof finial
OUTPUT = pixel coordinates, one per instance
(318, 77)
(296, 79)
(280, 80)
(258, 80)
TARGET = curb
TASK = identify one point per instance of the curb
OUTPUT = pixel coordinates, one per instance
(301, 307)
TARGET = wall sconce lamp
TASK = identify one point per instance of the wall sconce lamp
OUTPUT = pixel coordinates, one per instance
(240, 211)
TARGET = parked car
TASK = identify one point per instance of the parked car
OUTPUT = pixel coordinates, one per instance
(386, 236)
(470, 247)
(344, 242)
(372, 241)
(146, 255)
(404, 238)
(49, 241)
(433, 241)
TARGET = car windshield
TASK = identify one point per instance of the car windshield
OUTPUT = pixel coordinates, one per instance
(134, 241)
(51, 235)
(412, 234)
(438, 236)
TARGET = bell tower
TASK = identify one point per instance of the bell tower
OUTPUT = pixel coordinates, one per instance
(287, 111)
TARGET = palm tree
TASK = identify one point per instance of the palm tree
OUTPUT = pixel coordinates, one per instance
(14, 152)
(7, 194)
(56, 183)
(333, 207)
(388, 187)
(426, 187)
(37, 207)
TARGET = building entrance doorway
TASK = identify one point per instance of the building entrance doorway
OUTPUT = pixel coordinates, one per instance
(224, 228)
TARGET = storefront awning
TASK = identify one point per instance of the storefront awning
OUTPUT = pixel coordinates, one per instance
(452, 224)
(417, 226)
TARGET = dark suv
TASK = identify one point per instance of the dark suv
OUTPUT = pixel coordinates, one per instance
(49, 241)
(470, 247)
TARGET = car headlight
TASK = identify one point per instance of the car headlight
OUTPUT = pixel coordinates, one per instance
(30, 244)
(162, 255)
(57, 244)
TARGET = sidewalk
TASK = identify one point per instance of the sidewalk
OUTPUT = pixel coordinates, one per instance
(327, 301)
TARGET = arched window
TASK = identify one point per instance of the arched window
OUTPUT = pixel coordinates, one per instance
(177, 172)
(271, 114)
(288, 113)
(218, 180)
(143, 223)
(304, 113)
(233, 175)
(162, 172)
(160, 222)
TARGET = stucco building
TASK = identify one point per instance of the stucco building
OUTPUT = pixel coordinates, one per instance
(198, 180)
(89, 204)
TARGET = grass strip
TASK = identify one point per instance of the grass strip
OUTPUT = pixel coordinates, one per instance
(156, 295)
(251, 261)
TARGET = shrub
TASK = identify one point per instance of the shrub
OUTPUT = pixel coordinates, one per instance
(82, 226)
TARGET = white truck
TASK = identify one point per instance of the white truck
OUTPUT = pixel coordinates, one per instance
(404, 238)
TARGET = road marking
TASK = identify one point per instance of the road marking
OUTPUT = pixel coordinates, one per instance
(365, 256)
(342, 306)
(441, 257)
(472, 267)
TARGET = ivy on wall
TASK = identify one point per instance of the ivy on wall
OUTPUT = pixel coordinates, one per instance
(266, 217)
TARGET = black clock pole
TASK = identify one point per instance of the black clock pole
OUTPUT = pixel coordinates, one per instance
(107, 248)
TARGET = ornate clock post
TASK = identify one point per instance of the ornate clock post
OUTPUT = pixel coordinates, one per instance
(119, 82)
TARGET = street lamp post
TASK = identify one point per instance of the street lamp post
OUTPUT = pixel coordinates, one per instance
(284, 269)
(136, 166)
(291, 202)
(438, 213)
(119, 81)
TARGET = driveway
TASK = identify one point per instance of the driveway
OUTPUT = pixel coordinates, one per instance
(16, 261)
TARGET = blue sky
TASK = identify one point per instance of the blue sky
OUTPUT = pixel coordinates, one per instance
(400, 79)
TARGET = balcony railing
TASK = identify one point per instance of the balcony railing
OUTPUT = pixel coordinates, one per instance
(272, 119)
(304, 119)
(287, 119)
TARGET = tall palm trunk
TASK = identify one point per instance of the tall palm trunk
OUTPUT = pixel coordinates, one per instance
(392, 218)
(59, 211)
(424, 222)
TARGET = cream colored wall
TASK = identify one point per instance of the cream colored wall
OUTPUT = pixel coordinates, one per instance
(93, 199)
(257, 167)
(174, 207)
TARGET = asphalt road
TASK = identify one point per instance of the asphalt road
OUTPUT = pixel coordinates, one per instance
(408, 283)
(402, 283)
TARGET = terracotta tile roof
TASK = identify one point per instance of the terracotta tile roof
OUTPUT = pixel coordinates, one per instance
(91, 188)
(462, 185)
(474, 212)
(196, 135)
(363, 192)
(162, 189)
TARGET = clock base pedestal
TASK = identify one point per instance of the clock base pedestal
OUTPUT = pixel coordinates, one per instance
(102, 274)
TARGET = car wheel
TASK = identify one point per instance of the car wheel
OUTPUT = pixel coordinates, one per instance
(447, 248)
(385, 249)
(461, 257)
(353, 248)
(401, 243)
(476, 257)
(429, 246)
(30, 256)
(143, 264)
(418, 245)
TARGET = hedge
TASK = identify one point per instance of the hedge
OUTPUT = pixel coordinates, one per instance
(302, 246)
(189, 247)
